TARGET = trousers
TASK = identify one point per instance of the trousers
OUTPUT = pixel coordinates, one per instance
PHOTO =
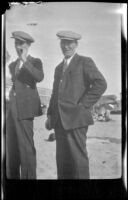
(71, 153)
(20, 149)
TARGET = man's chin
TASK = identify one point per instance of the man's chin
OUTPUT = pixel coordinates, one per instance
(18, 54)
(67, 55)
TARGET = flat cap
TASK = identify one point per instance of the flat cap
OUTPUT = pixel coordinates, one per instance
(68, 35)
(20, 35)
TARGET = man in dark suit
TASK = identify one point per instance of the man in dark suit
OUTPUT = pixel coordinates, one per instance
(24, 105)
(78, 85)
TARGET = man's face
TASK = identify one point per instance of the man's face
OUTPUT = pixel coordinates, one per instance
(20, 46)
(68, 47)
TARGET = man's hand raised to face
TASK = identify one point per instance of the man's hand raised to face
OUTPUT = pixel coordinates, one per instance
(24, 52)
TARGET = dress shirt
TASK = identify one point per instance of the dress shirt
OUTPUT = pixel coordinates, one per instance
(68, 60)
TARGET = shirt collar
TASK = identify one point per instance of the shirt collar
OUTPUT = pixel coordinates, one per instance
(69, 59)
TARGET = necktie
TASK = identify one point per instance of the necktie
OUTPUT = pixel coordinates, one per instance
(65, 65)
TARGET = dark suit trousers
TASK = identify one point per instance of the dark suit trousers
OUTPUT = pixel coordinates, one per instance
(20, 150)
(71, 154)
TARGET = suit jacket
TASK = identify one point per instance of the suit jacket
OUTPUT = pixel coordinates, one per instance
(75, 92)
(24, 85)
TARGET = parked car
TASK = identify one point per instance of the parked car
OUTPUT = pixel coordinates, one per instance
(116, 112)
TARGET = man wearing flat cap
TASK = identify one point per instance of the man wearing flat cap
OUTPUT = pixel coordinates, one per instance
(24, 105)
(78, 84)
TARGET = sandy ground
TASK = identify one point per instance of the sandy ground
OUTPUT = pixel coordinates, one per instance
(103, 146)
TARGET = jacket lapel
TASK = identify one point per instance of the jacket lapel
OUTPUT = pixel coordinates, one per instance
(71, 66)
(73, 63)
(60, 69)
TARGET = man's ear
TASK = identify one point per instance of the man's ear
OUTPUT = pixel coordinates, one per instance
(76, 43)
(28, 44)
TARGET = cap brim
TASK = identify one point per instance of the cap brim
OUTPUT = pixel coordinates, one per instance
(18, 38)
(64, 38)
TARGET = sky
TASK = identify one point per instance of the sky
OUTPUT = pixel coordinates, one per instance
(98, 23)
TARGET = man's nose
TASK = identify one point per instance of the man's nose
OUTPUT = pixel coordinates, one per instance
(66, 46)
